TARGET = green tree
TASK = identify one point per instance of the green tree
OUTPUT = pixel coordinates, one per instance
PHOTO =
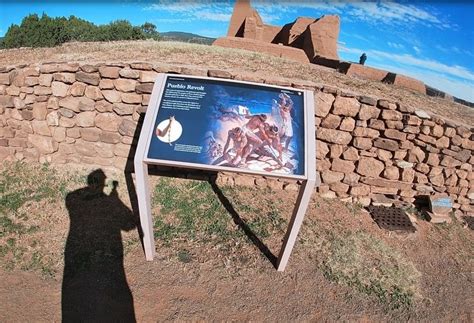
(47, 31)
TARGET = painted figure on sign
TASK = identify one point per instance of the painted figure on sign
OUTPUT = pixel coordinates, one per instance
(166, 131)
(239, 142)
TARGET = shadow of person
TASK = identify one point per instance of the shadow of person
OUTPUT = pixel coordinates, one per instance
(94, 284)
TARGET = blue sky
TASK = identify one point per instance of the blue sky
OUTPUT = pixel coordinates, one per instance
(431, 40)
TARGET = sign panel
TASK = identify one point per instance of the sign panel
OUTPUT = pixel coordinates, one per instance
(229, 125)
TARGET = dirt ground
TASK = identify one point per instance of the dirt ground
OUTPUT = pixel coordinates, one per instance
(223, 275)
(236, 60)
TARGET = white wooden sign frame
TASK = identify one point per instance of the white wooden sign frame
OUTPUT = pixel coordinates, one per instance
(141, 162)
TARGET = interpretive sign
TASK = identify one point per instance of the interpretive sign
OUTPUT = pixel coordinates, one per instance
(221, 125)
(226, 125)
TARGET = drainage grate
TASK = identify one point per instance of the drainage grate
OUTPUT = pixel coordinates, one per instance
(391, 218)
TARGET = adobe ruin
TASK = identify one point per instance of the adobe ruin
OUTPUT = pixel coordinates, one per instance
(304, 40)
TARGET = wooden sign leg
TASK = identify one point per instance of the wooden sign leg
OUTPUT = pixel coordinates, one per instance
(144, 206)
(299, 211)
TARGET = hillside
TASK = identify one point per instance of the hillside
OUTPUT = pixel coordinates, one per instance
(235, 61)
(186, 37)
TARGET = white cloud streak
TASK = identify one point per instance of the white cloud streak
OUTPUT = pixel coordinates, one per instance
(454, 79)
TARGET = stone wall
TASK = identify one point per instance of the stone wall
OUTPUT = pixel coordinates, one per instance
(368, 149)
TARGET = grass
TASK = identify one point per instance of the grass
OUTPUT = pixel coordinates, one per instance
(369, 265)
(191, 211)
(21, 186)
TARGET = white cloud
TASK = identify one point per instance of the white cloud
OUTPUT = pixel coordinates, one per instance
(453, 79)
(381, 12)
(396, 45)
(213, 16)
(416, 49)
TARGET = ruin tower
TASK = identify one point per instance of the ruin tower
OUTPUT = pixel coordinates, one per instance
(305, 39)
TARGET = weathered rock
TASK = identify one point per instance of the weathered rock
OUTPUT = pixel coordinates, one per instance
(67, 78)
(416, 155)
(411, 129)
(106, 84)
(123, 108)
(347, 124)
(77, 104)
(391, 173)
(348, 107)
(362, 143)
(366, 132)
(125, 85)
(127, 128)
(103, 106)
(90, 134)
(6, 101)
(132, 98)
(422, 114)
(449, 161)
(59, 89)
(59, 133)
(330, 177)
(333, 136)
(211, 73)
(380, 182)
(45, 145)
(322, 149)
(147, 76)
(111, 72)
(391, 115)
(376, 124)
(370, 167)
(107, 121)
(442, 142)
(144, 88)
(110, 137)
(368, 112)
(53, 118)
(339, 187)
(324, 103)
(42, 90)
(121, 150)
(65, 112)
(129, 73)
(85, 119)
(384, 155)
(351, 154)
(77, 89)
(433, 159)
(437, 180)
(386, 144)
(45, 79)
(342, 166)
(40, 127)
(93, 93)
(360, 190)
(88, 78)
(331, 121)
(395, 134)
(142, 66)
(112, 96)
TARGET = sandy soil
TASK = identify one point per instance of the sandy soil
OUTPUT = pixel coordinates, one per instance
(241, 284)
(184, 54)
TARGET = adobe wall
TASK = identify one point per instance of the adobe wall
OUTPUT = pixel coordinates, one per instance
(292, 53)
(368, 148)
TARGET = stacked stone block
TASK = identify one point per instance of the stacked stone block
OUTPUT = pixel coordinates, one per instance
(367, 148)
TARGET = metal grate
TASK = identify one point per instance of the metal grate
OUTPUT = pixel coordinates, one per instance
(391, 218)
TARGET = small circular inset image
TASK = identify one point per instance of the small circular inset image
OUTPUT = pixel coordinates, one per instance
(169, 130)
